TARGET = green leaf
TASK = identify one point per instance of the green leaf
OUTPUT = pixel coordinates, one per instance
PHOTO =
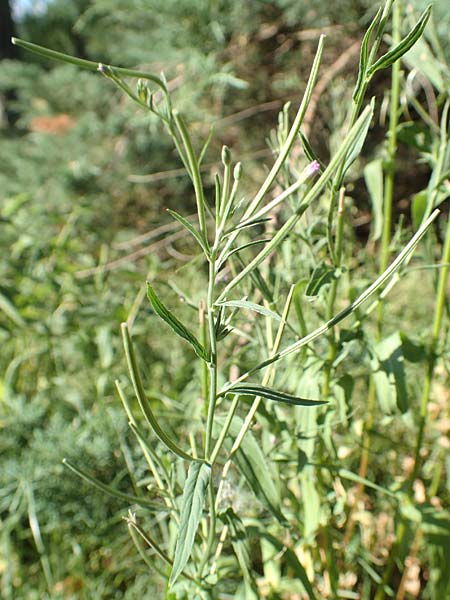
(250, 223)
(357, 144)
(389, 374)
(412, 351)
(419, 208)
(322, 275)
(373, 175)
(191, 230)
(142, 399)
(251, 306)
(402, 47)
(252, 463)
(175, 324)
(364, 56)
(85, 64)
(239, 249)
(254, 389)
(107, 489)
(241, 546)
(192, 503)
(309, 151)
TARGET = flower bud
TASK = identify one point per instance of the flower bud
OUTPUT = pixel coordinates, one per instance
(226, 156)
(237, 173)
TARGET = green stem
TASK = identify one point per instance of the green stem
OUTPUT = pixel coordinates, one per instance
(384, 251)
(194, 170)
(86, 64)
(213, 362)
(437, 323)
(332, 345)
(438, 316)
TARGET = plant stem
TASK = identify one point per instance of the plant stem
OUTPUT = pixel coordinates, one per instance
(332, 347)
(212, 367)
(432, 356)
(437, 323)
(384, 252)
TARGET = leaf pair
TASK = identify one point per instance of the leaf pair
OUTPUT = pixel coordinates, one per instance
(194, 493)
(366, 72)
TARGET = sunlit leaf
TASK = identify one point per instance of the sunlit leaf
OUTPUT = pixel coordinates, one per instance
(262, 310)
(389, 374)
(373, 175)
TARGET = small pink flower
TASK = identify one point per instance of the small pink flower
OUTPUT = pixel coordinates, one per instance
(313, 168)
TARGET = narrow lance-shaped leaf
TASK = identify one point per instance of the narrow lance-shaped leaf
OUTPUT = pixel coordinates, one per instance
(262, 310)
(356, 147)
(254, 389)
(364, 55)
(190, 228)
(175, 324)
(142, 398)
(223, 259)
(83, 63)
(107, 489)
(193, 499)
(402, 47)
